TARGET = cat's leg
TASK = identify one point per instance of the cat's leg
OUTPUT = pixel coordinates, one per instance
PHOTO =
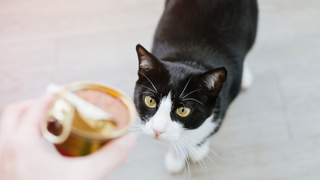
(247, 77)
(197, 153)
(174, 162)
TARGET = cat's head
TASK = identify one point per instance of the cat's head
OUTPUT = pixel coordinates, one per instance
(173, 97)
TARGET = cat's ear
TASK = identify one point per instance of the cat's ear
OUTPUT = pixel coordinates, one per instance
(147, 61)
(214, 79)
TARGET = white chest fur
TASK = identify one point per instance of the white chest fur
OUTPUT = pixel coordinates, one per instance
(199, 134)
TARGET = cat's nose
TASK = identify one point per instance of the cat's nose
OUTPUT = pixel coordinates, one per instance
(157, 133)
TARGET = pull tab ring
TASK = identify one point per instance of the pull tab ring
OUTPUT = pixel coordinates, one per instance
(62, 111)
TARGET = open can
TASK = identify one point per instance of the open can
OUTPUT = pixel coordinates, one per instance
(74, 134)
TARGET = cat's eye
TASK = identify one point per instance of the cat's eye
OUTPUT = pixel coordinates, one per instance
(150, 102)
(183, 111)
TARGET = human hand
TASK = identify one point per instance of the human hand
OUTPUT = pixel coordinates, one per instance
(25, 155)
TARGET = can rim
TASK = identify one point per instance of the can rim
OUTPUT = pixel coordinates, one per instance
(113, 91)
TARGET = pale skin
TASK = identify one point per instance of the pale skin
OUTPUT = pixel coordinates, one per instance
(25, 155)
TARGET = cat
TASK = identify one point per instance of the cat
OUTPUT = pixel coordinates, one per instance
(193, 73)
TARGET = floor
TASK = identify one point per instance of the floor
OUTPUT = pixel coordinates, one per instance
(271, 131)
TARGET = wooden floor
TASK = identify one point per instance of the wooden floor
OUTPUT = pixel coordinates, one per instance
(271, 132)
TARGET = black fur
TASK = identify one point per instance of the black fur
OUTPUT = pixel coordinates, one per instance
(196, 40)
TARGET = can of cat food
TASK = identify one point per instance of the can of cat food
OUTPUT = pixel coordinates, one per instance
(86, 115)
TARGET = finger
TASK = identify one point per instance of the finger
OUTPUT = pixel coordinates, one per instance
(11, 116)
(109, 157)
(9, 121)
(35, 114)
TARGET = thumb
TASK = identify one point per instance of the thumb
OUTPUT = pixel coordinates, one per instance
(109, 157)
(36, 113)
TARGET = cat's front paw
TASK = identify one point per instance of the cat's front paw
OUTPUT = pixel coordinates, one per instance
(199, 152)
(173, 163)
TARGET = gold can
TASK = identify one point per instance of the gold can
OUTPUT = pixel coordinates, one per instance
(77, 134)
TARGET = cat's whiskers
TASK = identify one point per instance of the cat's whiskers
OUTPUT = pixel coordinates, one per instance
(211, 160)
(150, 82)
(136, 125)
(139, 128)
(186, 158)
(191, 99)
(195, 153)
(146, 93)
(136, 133)
(133, 127)
(197, 142)
(136, 130)
(185, 87)
(180, 152)
(184, 145)
(148, 88)
(183, 104)
(167, 139)
(146, 131)
(175, 148)
(190, 93)
(172, 135)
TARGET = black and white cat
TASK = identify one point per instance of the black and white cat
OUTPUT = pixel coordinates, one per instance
(194, 72)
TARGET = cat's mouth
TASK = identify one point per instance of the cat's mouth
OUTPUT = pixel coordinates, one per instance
(163, 137)
(165, 132)
(154, 134)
